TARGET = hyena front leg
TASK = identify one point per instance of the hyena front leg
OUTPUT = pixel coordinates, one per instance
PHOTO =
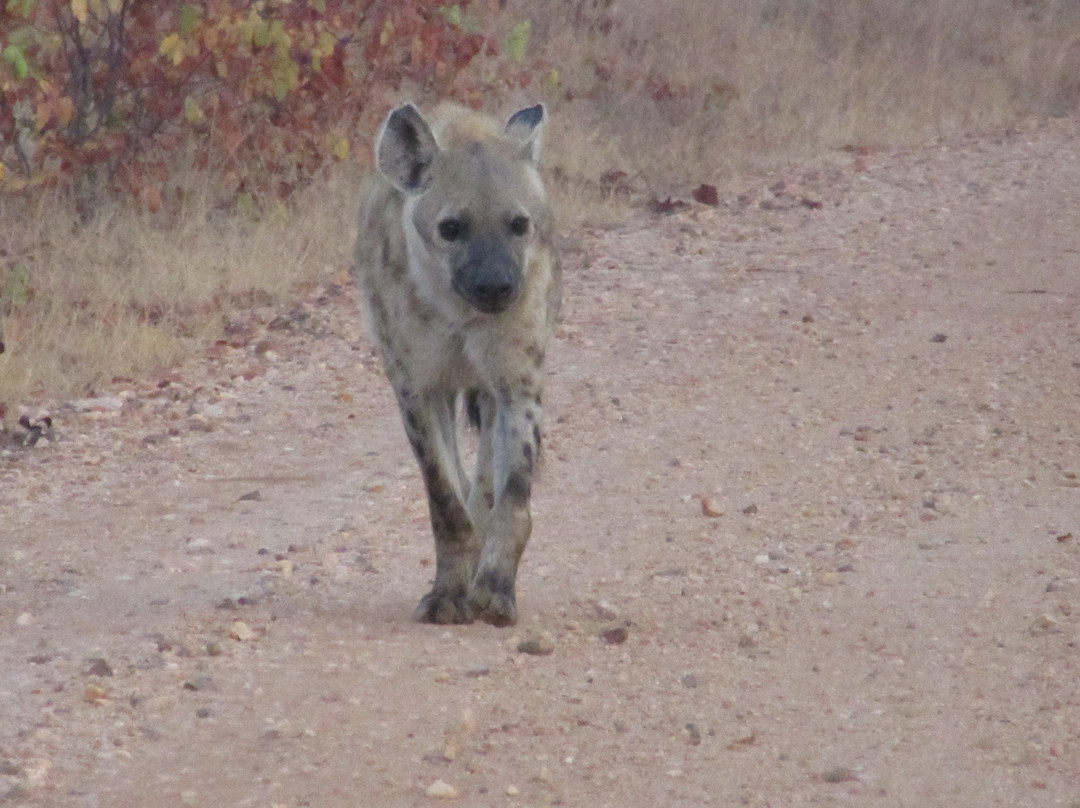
(480, 407)
(430, 426)
(515, 444)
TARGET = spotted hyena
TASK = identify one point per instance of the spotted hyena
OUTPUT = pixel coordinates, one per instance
(462, 286)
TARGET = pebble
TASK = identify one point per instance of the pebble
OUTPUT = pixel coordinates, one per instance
(711, 507)
(94, 694)
(241, 631)
(841, 774)
(37, 770)
(606, 611)
(441, 790)
(99, 667)
(541, 644)
(828, 578)
(104, 404)
(616, 635)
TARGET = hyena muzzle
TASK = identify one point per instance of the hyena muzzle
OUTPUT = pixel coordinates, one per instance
(462, 287)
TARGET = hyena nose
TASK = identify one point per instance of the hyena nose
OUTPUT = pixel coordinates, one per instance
(494, 291)
(490, 280)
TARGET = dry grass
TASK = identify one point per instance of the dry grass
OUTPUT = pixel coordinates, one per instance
(691, 91)
(673, 94)
(127, 295)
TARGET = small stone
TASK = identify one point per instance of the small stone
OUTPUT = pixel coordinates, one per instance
(1045, 624)
(106, 404)
(24, 619)
(198, 547)
(693, 734)
(37, 771)
(94, 694)
(512, 790)
(201, 682)
(828, 578)
(711, 507)
(99, 667)
(606, 611)
(251, 496)
(542, 644)
(939, 337)
(241, 631)
(441, 790)
(616, 635)
(841, 774)
(477, 671)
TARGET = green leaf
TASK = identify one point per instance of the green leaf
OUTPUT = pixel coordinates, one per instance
(262, 34)
(190, 15)
(192, 111)
(13, 55)
(278, 34)
(452, 14)
(517, 41)
(286, 73)
(21, 8)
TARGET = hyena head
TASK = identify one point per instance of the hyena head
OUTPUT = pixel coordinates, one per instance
(474, 201)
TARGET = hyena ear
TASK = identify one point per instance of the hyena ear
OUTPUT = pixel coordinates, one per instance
(526, 126)
(406, 150)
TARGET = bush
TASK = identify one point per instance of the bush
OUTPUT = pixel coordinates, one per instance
(118, 96)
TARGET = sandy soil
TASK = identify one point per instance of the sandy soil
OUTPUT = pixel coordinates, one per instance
(808, 531)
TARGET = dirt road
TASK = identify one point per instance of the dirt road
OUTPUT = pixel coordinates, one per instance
(808, 531)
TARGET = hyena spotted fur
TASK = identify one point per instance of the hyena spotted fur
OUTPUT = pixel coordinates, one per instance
(462, 286)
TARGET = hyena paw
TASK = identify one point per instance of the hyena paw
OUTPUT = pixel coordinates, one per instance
(443, 607)
(491, 599)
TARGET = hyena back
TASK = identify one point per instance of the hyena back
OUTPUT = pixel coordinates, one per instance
(462, 286)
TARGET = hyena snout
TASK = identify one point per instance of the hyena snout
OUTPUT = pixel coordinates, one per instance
(489, 279)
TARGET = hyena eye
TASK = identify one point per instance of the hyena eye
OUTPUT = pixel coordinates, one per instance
(519, 225)
(451, 229)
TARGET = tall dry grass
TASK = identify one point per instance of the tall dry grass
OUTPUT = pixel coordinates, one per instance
(685, 91)
(128, 295)
(672, 93)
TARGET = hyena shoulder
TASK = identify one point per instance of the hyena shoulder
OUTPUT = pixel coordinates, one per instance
(380, 243)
